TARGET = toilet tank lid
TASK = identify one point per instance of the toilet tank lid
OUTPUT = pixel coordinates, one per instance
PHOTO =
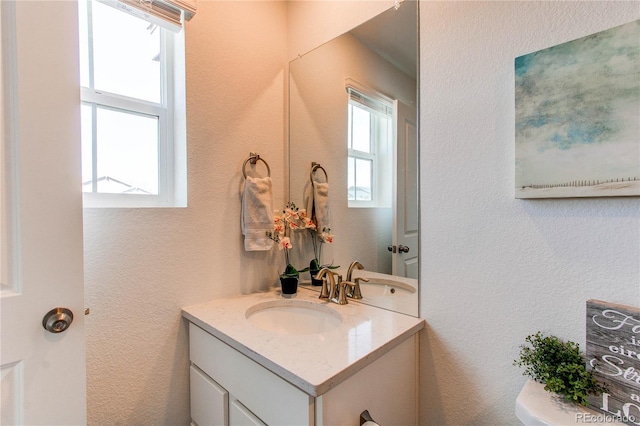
(535, 406)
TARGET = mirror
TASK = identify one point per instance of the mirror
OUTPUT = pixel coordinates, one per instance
(353, 111)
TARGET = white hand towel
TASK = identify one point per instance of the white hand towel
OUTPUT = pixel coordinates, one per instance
(307, 199)
(257, 213)
(321, 205)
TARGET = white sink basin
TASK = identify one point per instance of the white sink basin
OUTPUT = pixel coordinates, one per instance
(390, 294)
(293, 317)
(377, 287)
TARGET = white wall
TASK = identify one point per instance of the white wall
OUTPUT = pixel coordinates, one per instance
(143, 265)
(495, 269)
(312, 23)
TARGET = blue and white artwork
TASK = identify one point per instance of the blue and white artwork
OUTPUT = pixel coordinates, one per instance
(578, 117)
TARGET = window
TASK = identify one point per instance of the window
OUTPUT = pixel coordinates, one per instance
(131, 70)
(369, 155)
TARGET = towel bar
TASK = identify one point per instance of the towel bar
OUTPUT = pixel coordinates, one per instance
(315, 166)
(253, 159)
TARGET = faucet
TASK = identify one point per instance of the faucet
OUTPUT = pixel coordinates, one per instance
(324, 292)
(353, 286)
(354, 264)
(334, 291)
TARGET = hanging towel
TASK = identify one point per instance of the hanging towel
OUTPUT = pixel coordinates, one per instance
(321, 205)
(257, 213)
(307, 198)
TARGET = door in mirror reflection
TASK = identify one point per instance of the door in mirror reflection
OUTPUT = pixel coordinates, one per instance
(405, 260)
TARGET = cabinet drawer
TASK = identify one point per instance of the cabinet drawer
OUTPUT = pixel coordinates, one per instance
(239, 415)
(274, 400)
(209, 401)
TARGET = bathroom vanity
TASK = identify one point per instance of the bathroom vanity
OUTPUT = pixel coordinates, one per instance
(263, 359)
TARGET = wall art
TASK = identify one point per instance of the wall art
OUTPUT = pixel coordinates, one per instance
(613, 356)
(577, 117)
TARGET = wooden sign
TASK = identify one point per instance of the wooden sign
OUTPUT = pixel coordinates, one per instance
(613, 356)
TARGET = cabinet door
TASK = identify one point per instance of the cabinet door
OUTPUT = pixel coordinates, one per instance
(209, 400)
(240, 416)
(248, 381)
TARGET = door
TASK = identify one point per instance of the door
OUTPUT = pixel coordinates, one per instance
(405, 260)
(42, 374)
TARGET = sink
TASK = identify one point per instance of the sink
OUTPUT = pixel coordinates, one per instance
(390, 294)
(384, 287)
(293, 317)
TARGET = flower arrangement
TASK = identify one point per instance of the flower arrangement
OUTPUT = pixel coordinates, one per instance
(318, 238)
(292, 218)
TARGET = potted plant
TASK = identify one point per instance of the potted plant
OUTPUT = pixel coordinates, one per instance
(318, 238)
(560, 366)
(282, 224)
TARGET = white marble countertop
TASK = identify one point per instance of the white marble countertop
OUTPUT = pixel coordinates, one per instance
(312, 362)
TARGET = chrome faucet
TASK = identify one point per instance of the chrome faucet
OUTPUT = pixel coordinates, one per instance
(353, 286)
(335, 291)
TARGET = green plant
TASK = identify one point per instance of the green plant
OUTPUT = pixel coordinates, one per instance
(559, 365)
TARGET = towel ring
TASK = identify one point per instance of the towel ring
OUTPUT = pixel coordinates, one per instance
(315, 166)
(253, 159)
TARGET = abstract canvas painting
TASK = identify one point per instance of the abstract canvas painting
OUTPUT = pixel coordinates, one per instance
(578, 117)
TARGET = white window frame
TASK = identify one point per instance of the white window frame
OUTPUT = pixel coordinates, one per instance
(381, 154)
(171, 136)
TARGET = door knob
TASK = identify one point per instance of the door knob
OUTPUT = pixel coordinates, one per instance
(403, 249)
(57, 320)
(391, 248)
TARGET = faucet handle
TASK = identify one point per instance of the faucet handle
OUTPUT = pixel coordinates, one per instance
(350, 288)
(357, 292)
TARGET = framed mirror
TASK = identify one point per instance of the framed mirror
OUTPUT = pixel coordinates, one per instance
(353, 129)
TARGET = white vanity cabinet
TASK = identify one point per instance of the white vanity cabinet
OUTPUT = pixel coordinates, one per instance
(243, 375)
(228, 388)
(234, 377)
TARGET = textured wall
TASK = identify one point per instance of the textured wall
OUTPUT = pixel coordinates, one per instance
(143, 265)
(495, 269)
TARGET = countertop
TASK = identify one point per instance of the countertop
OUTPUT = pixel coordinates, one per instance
(312, 362)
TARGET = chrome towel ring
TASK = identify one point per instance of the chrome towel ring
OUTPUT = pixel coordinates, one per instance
(253, 159)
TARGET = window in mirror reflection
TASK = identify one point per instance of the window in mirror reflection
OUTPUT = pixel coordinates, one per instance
(369, 151)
